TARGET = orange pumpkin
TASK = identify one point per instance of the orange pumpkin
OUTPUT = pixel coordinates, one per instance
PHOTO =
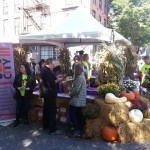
(128, 94)
(109, 134)
(136, 92)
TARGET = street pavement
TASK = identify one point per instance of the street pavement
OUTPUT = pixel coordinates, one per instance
(29, 137)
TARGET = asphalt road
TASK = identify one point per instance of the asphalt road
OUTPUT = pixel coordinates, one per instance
(29, 137)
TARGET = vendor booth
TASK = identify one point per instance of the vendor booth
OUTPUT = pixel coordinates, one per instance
(117, 110)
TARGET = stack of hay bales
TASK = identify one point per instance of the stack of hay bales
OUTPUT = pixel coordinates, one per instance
(36, 106)
(134, 132)
(117, 115)
(110, 114)
(146, 100)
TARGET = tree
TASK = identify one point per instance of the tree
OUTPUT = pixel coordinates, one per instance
(131, 19)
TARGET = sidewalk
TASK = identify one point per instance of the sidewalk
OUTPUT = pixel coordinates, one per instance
(30, 138)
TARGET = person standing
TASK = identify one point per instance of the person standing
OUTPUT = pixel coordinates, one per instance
(32, 65)
(86, 67)
(24, 84)
(38, 69)
(77, 60)
(49, 93)
(78, 100)
(145, 72)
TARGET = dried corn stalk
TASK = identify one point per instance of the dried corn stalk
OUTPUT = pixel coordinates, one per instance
(19, 57)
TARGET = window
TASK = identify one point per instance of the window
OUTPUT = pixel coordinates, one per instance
(46, 52)
(100, 4)
(105, 7)
(16, 6)
(94, 13)
(56, 55)
(6, 27)
(43, 21)
(5, 7)
(94, 2)
(17, 26)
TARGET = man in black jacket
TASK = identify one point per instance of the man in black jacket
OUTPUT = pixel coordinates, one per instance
(49, 94)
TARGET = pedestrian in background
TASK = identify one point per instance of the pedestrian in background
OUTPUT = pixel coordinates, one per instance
(24, 84)
(38, 68)
(32, 65)
(77, 60)
(86, 67)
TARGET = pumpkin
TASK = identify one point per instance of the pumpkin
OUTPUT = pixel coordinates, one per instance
(111, 99)
(136, 115)
(109, 134)
(136, 92)
(128, 94)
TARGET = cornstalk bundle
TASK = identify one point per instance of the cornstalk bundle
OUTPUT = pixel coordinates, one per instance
(109, 65)
(130, 61)
(65, 60)
(19, 57)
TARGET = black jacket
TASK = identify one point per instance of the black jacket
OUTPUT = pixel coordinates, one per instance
(48, 81)
(31, 83)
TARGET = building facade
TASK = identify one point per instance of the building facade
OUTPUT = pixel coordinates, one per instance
(19, 17)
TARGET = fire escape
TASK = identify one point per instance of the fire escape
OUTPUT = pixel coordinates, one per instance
(38, 7)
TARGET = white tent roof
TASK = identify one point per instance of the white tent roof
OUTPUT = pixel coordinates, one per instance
(146, 52)
(119, 37)
(77, 29)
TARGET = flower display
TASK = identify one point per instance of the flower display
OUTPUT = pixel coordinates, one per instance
(108, 88)
(128, 84)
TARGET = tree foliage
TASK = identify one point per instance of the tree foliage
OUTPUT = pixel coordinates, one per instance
(131, 18)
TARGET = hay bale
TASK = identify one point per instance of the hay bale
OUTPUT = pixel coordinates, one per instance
(94, 127)
(36, 101)
(105, 109)
(144, 99)
(119, 115)
(147, 113)
(115, 114)
(134, 132)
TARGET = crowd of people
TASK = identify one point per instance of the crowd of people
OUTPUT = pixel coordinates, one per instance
(43, 72)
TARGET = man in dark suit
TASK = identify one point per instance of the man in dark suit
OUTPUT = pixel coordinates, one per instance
(49, 94)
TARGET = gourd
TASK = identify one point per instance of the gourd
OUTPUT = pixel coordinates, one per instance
(111, 99)
(136, 115)
(109, 134)
(128, 94)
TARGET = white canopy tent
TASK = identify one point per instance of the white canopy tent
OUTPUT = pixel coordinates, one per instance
(119, 37)
(79, 28)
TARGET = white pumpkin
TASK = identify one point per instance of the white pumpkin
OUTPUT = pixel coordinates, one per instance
(136, 115)
(110, 98)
